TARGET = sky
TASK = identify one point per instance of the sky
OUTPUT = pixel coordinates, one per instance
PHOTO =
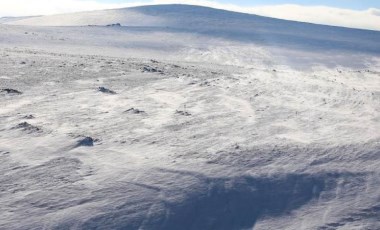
(364, 14)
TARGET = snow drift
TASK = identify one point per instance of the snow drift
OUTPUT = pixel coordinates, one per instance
(186, 117)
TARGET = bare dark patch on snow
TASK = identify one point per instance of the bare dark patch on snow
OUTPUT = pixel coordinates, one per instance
(29, 128)
(150, 69)
(114, 25)
(135, 111)
(87, 142)
(4, 152)
(29, 117)
(10, 91)
(183, 113)
(105, 90)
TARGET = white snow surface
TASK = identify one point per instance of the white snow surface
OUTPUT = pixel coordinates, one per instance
(214, 120)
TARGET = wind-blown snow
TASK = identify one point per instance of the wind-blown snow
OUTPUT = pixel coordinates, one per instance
(266, 125)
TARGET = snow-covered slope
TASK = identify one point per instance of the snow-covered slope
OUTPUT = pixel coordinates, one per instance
(293, 42)
(125, 17)
(187, 117)
(11, 19)
(220, 23)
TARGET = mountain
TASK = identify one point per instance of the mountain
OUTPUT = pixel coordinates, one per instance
(294, 42)
(187, 117)
(11, 19)
(221, 23)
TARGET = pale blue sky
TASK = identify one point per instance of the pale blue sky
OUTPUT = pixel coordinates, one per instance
(349, 4)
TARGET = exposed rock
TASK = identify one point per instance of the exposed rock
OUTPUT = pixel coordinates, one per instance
(114, 25)
(205, 83)
(4, 152)
(150, 69)
(28, 116)
(183, 113)
(135, 111)
(105, 90)
(87, 141)
(25, 126)
(10, 91)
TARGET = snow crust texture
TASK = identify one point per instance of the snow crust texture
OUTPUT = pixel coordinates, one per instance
(176, 122)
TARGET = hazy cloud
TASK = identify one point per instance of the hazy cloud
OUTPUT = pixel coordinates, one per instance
(367, 19)
(375, 12)
(46, 7)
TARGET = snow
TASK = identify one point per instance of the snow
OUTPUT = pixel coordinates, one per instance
(282, 131)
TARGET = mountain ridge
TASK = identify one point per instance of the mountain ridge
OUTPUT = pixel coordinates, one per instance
(183, 8)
